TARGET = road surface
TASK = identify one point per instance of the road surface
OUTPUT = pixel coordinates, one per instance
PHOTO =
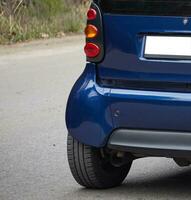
(35, 80)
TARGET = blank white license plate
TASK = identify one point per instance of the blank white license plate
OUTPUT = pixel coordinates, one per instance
(168, 47)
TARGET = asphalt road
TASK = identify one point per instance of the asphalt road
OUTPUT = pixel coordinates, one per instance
(35, 80)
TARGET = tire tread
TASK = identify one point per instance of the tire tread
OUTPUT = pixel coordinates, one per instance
(85, 169)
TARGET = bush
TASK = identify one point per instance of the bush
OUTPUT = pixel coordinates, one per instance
(46, 8)
(31, 19)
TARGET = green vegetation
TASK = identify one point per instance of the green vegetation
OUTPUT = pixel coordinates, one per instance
(22, 20)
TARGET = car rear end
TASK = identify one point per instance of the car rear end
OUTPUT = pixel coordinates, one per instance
(134, 94)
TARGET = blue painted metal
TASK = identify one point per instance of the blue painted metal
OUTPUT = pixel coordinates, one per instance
(88, 115)
(124, 46)
(93, 112)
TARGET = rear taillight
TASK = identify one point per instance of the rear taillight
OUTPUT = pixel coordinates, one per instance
(91, 31)
(94, 48)
(91, 50)
(91, 14)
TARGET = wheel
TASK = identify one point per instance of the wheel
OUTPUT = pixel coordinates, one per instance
(91, 168)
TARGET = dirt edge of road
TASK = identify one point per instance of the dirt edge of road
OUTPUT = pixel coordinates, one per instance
(41, 44)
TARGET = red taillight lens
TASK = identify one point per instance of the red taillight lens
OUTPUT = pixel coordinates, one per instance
(91, 50)
(91, 14)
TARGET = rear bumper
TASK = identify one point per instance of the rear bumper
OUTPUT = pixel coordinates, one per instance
(94, 112)
(151, 143)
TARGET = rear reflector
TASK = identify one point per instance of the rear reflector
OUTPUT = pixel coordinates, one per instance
(91, 50)
(91, 14)
(91, 31)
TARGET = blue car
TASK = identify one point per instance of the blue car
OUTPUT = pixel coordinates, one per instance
(133, 99)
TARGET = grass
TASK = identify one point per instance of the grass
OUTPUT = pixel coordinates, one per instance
(40, 19)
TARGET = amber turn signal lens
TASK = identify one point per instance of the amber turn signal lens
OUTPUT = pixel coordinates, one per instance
(91, 50)
(91, 31)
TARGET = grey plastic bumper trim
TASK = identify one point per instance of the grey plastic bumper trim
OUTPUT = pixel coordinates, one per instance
(152, 143)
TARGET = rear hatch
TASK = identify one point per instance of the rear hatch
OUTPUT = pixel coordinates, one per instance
(147, 44)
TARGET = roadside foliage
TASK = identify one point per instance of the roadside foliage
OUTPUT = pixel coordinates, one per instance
(22, 20)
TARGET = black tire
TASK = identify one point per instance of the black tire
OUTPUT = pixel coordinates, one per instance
(90, 169)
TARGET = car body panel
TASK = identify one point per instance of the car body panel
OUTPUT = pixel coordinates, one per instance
(124, 49)
(94, 112)
(88, 115)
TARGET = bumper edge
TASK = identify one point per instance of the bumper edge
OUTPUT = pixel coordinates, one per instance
(152, 143)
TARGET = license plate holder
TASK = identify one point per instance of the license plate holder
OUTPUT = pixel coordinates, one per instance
(168, 47)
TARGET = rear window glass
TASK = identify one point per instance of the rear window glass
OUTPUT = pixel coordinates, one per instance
(147, 7)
